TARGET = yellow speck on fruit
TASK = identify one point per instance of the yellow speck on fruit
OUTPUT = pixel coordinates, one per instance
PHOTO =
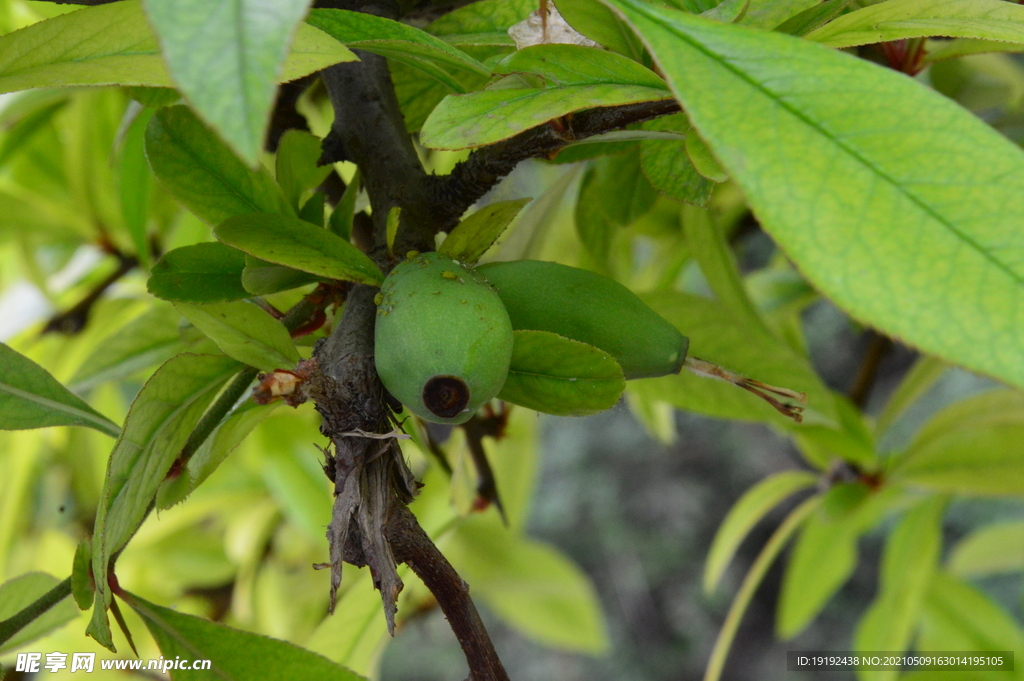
(411, 254)
(463, 302)
(378, 299)
(449, 275)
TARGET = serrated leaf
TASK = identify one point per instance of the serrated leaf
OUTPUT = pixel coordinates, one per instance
(397, 41)
(18, 593)
(530, 585)
(200, 273)
(297, 244)
(556, 375)
(474, 235)
(989, 550)
(848, 182)
(224, 439)
(234, 654)
(716, 335)
(31, 398)
(908, 563)
(961, 47)
(755, 503)
(202, 172)
(900, 19)
(261, 278)
(146, 341)
(667, 164)
(296, 164)
(488, 116)
(564, 65)
(226, 57)
(113, 44)
(245, 332)
(158, 424)
(702, 158)
(971, 447)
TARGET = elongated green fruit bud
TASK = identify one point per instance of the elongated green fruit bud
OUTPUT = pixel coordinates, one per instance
(587, 307)
(443, 339)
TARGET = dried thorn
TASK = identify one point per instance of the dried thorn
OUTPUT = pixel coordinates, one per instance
(762, 390)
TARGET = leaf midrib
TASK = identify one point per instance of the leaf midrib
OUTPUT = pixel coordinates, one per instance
(105, 426)
(924, 207)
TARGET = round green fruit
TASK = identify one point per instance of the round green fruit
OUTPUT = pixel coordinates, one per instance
(443, 338)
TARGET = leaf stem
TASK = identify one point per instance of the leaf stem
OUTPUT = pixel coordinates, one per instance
(750, 583)
(18, 621)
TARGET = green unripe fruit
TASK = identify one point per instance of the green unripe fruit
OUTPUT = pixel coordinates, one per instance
(443, 339)
(589, 308)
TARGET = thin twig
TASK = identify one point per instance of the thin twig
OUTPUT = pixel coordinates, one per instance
(74, 320)
(412, 546)
(18, 621)
(868, 372)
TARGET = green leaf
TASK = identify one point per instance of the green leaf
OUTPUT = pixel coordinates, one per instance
(19, 593)
(921, 377)
(530, 585)
(718, 264)
(849, 182)
(397, 41)
(226, 57)
(31, 398)
(908, 563)
(598, 23)
(899, 19)
(234, 654)
(810, 19)
(958, 616)
(201, 172)
(716, 335)
(294, 243)
(245, 332)
(135, 183)
(296, 164)
(556, 375)
(82, 587)
(849, 439)
(489, 116)
(113, 44)
(728, 11)
(825, 554)
(989, 550)
(613, 195)
(752, 580)
(478, 232)
(565, 65)
(667, 164)
(214, 450)
(341, 218)
(702, 158)
(150, 339)
(200, 273)
(261, 278)
(961, 47)
(158, 424)
(482, 17)
(971, 447)
(770, 13)
(755, 503)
